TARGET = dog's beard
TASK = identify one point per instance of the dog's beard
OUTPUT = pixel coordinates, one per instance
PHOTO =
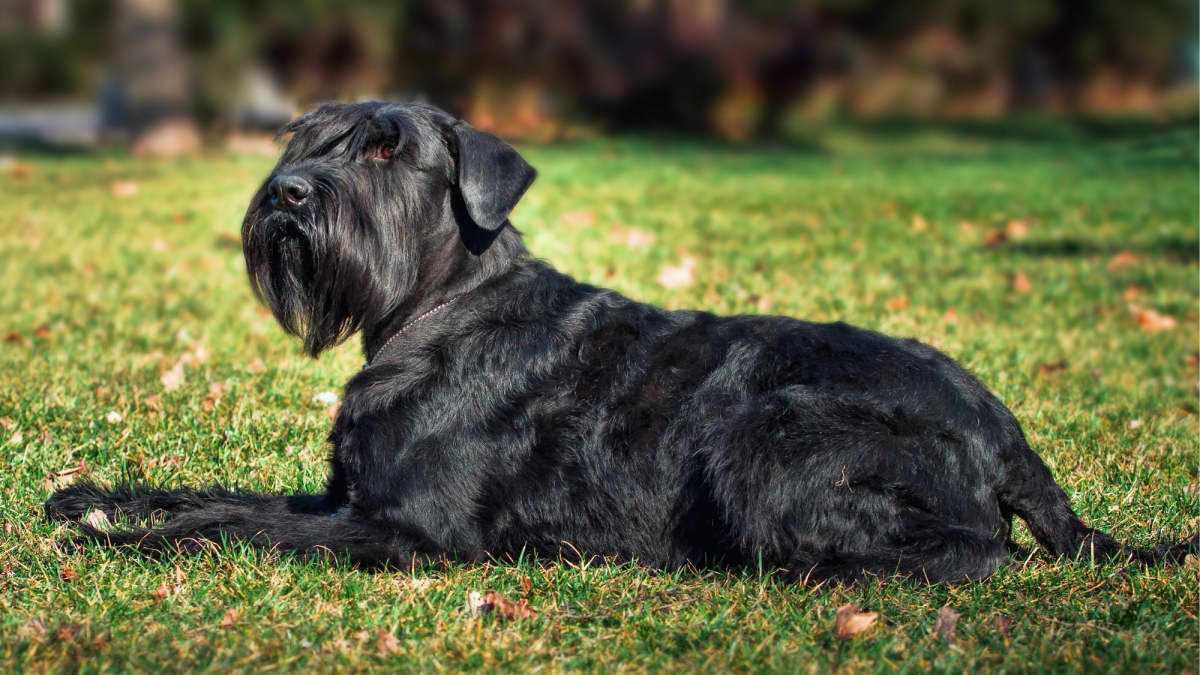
(318, 269)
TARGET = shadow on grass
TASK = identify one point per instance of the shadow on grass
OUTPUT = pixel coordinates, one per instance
(1173, 249)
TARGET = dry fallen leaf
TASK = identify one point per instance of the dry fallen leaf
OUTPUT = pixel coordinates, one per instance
(1017, 229)
(681, 275)
(67, 574)
(1001, 623)
(20, 170)
(850, 622)
(173, 379)
(13, 338)
(124, 188)
(475, 604)
(1122, 260)
(1151, 321)
(1020, 283)
(67, 632)
(386, 643)
(98, 520)
(494, 602)
(946, 625)
(507, 608)
(42, 331)
(1051, 369)
(230, 618)
(579, 218)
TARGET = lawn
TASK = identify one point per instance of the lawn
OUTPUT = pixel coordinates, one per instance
(1057, 263)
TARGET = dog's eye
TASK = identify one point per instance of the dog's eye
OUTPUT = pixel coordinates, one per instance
(385, 152)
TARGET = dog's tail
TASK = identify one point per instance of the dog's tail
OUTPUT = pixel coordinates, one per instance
(194, 519)
(1031, 493)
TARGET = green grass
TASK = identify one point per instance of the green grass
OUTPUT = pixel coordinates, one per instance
(102, 294)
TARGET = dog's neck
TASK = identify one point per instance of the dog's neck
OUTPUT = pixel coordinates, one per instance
(457, 274)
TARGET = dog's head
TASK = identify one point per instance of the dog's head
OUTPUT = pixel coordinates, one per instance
(371, 204)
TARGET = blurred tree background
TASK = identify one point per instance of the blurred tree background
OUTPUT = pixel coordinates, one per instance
(546, 69)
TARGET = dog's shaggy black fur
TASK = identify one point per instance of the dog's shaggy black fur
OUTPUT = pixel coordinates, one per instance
(535, 413)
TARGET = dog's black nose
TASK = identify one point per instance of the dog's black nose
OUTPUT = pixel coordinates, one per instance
(288, 192)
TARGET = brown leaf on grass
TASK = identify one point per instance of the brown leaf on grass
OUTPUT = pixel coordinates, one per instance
(850, 622)
(1017, 229)
(20, 170)
(12, 337)
(632, 237)
(162, 591)
(506, 608)
(492, 601)
(215, 391)
(98, 520)
(230, 618)
(123, 188)
(681, 275)
(1051, 369)
(229, 242)
(42, 331)
(579, 218)
(1021, 283)
(386, 643)
(897, 303)
(173, 379)
(1001, 623)
(1122, 260)
(946, 625)
(67, 574)
(1151, 321)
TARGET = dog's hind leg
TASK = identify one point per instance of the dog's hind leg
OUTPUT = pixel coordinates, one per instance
(935, 554)
(1030, 492)
(134, 501)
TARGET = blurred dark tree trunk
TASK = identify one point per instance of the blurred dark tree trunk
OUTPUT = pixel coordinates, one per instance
(148, 98)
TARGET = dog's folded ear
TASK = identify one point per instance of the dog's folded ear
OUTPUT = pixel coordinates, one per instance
(491, 178)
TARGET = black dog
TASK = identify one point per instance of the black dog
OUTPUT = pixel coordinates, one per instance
(506, 407)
